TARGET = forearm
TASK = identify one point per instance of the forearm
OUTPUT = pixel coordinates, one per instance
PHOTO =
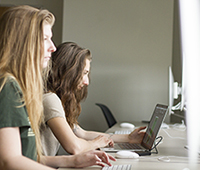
(80, 146)
(120, 138)
(58, 161)
(90, 135)
(79, 161)
(22, 163)
(134, 137)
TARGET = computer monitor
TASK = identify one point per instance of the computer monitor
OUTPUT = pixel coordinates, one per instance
(175, 89)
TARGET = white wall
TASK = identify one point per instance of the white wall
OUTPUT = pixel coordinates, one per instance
(55, 6)
(131, 43)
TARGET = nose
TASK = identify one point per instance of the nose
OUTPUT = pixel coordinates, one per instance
(52, 47)
(86, 81)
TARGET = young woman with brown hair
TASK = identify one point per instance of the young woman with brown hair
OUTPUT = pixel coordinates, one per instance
(67, 87)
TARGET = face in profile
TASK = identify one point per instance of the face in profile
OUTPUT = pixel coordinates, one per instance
(85, 75)
(49, 46)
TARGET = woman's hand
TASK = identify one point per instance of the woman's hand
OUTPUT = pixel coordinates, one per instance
(136, 136)
(93, 157)
(102, 141)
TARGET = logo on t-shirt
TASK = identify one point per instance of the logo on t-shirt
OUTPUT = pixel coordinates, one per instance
(30, 132)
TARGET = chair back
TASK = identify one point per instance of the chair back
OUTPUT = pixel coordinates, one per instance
(107, 114)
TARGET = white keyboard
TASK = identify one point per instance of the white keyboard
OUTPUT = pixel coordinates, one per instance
(118, 167)
(123, 131)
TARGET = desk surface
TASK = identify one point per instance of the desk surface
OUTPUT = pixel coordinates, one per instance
(171, 153)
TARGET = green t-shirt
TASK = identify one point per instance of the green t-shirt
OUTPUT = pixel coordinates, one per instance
(13, 114)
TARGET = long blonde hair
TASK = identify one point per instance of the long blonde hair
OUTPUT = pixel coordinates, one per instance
(21, 57)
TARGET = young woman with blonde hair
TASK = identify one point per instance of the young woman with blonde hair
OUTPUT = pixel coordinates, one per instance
(25, 50)
(67, 87)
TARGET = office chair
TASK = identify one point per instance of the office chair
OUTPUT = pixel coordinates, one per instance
(108, 115)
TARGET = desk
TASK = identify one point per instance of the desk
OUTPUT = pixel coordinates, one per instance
(171, 153)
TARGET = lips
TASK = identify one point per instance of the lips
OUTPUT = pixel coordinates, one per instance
(47, 58)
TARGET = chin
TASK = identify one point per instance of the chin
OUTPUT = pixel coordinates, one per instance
(45, 64)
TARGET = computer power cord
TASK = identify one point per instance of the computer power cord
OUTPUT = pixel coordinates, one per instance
(177, 159)
(168, 159)
(173, 136)
(179, 126)
(156, 144)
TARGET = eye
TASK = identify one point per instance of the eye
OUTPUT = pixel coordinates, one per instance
(46, 37)
(85, 72)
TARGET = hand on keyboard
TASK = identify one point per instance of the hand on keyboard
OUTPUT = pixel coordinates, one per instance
(93, 157)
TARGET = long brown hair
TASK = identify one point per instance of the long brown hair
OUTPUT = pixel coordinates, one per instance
(21, 57)
(68, 63)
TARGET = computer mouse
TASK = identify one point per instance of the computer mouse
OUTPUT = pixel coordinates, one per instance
(126, 154)
(127, 125)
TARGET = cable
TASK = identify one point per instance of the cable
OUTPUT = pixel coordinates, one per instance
(156, 144)
(179, 126)
(164, 159)
(172, 136)
(167, 159)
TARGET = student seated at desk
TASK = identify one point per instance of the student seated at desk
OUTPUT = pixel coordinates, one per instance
(25, 50)
(67, 87)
